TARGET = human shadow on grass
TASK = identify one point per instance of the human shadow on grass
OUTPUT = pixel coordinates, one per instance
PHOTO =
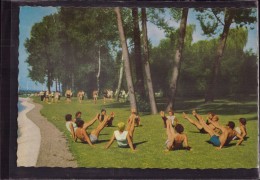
(195, 132)
(99, 141)
(104, 134)
(226, 146)
(136, 144)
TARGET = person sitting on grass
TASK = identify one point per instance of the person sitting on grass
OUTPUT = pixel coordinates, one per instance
(102, 116)
(219, 140)
(171, 117)
(176, 140)
(71, 125)
(196, 123)
(212, 117)
(77, 115)
(241, 130)
(137, 119)
(91, 138)
(124, 137)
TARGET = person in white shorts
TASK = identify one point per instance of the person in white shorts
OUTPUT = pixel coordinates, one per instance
(91, 138)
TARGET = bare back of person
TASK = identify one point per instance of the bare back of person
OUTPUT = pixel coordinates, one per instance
(79, 134)
(230, 137)
(227, 136)
(178, 141)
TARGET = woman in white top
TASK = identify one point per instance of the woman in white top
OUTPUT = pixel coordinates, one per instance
(71, 125)
(124, 137)
(171, 117)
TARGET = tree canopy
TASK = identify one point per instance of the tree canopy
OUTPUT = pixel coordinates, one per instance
(64, 47)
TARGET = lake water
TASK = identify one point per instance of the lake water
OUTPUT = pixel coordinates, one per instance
(20, 106)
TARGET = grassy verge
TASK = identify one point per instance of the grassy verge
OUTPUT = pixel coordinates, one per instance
(151, 136)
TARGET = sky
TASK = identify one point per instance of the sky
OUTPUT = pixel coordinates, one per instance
(31, 15)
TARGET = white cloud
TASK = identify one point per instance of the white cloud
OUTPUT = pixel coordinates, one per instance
(154, 33)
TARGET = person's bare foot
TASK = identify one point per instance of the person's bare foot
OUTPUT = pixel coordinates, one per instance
(184, 115)
(194, 112)
(162, 113)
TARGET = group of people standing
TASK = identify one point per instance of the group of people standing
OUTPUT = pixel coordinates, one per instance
(48, 96)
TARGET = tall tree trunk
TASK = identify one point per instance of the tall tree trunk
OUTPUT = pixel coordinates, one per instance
(49, 81)
(147, 65)
(210, 94)
(99, 68)
(139, 84)
(121, 72)
(177, 60)
(72, 81)
(56, 83)
(59, 86)
(126, 59)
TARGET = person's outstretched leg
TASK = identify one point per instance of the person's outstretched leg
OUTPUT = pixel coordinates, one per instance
(203, 123)
(131, 126)
(86, 137)
(195, 123)
(99, 127)
(87, 124)
(170, 135)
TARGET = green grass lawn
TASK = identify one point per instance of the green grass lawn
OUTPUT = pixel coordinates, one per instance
(151, 136)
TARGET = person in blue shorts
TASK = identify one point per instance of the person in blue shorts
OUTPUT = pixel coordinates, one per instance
(219, 140)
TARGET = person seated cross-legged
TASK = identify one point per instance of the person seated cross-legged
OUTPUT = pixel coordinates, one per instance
(124, 137)
(176, 138)
(219, 140)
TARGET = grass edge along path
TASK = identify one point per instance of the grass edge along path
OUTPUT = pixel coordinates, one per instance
(150, 138)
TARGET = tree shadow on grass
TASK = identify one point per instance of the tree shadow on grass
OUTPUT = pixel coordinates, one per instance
(226, 108)
(136, 144)
(229, 109)
(255, 118)
(116, 105)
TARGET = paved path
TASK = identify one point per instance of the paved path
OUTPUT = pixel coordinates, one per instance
(53, 151)
(28, 136)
